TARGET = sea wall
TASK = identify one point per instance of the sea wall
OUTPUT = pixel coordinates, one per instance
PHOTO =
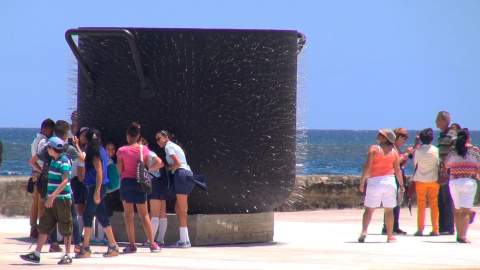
(310, 192)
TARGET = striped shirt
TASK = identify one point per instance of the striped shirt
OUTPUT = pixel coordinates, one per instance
(58, 168)
(461, 167)
(446, 140)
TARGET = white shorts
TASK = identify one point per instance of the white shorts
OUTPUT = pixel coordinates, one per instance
(463, 192)
(381, 189)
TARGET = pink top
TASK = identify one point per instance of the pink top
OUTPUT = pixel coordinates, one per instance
(130, 155)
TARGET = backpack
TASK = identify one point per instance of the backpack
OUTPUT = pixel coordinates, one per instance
(43, 179)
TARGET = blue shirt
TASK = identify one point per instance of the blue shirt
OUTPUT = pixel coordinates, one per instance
(172, 148)
(91, 173)
(58, 168)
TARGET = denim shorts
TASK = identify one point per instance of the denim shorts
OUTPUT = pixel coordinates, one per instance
(130, 193)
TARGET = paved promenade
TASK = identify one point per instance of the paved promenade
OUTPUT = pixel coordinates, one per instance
(303, 240)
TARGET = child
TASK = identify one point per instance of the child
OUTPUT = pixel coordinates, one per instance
(58, 203)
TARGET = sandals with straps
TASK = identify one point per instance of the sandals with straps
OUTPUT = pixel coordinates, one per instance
(112, 251)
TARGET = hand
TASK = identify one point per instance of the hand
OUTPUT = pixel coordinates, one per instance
(75, 140)
(362, 186)
(410, 150)
(403, 189)
(96, 197)
(49, 202)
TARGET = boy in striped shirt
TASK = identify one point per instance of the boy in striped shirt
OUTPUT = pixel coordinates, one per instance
(57, 204)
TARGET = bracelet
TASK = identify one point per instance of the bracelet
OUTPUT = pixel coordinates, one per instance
(97, 191)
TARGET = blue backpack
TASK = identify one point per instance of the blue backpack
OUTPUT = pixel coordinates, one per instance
(113, 178)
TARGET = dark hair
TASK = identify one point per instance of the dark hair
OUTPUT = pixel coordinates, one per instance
(58, 151)
(133, 130)
(94, 144)
(47, 123)
(426, 136)
(457, 125)
(461, 142)
(107, 142)
(144, 141)
(171, 137)
(62, 127)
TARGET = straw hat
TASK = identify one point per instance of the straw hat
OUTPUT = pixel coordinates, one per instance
(389, 134)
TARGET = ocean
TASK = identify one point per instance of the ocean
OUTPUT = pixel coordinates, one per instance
(326, 152)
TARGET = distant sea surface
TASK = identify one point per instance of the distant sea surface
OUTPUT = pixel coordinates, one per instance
(328, 152)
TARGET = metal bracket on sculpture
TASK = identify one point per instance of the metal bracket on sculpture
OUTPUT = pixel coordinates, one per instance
(147, 87)
(302, 39)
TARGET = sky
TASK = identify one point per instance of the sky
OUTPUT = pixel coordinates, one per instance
(366, 64)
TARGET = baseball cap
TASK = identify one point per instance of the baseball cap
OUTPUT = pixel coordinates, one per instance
(56, 143)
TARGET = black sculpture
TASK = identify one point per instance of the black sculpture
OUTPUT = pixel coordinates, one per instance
(228, 95)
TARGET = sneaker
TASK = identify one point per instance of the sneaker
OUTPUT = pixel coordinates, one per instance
(181, 245)
(434, 234)
(418, 233)
(447, 233)
(66, 259)
(112, 251)
(362, 237)
(130, 249)
(95, 241)
(77, 249)
(400, 232)
(146, 243)
(391, 240)
(86, 252)
(472, 217)
(55, 248)
(384, 231)
(30, 257)
(105, 241)
(156, 248)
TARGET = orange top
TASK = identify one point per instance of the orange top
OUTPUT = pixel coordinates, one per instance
(382, 165)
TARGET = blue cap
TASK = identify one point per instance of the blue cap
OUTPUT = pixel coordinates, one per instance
(56, 143)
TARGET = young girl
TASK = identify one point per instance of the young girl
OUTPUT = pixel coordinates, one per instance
(127, 158)
(181, 177)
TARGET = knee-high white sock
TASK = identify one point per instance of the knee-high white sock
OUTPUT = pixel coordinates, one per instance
(154, 222)
(188, 237)
(80, 224)
(162, 229)
(183, 234)
(100, 232)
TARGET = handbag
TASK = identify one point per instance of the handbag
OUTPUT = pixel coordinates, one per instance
(30, 185)
(443, 175)
(144, 182)
(113, 178)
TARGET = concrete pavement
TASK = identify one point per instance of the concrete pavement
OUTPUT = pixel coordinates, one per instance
(324, 239)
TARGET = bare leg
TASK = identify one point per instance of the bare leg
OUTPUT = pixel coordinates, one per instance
(181, 209)
(129, 215)
(147, 226)
(367, 217)
(389, 220)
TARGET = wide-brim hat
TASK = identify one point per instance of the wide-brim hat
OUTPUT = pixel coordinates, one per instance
(389, 134)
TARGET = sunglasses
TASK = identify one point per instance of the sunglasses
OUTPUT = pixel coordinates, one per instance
(159, 138)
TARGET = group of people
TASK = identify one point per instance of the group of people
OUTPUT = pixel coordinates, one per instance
(383, 179)
(75, 173)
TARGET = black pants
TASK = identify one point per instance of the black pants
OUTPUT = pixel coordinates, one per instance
(446, 209)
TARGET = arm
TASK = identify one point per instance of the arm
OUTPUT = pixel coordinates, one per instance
(176, 163)
(368, 165)
(120, 165)
(158, 164)
(34, 164)
(97, 163)
(51, 199)
(81, 173)
(398, 171)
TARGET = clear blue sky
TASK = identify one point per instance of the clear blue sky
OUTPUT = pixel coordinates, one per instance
(367, 64)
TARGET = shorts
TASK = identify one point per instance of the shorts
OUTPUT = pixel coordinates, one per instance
(159, 189)
(59, 213)
(130, 193)
(183, 182)
(381, 190)
(463, 192)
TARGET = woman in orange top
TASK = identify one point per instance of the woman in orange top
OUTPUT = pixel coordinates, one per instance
(382, 162)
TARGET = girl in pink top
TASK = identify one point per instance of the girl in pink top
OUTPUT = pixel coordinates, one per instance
(127, 157)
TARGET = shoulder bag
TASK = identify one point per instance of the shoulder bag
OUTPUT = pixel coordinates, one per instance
(144, 182)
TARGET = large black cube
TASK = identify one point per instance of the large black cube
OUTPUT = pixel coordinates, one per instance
(229, 96)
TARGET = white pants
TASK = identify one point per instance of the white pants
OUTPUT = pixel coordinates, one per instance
(381, 189)
(463, 192)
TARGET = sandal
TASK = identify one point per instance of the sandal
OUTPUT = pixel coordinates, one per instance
(112, 251)
(65, 259)
(86, 252)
